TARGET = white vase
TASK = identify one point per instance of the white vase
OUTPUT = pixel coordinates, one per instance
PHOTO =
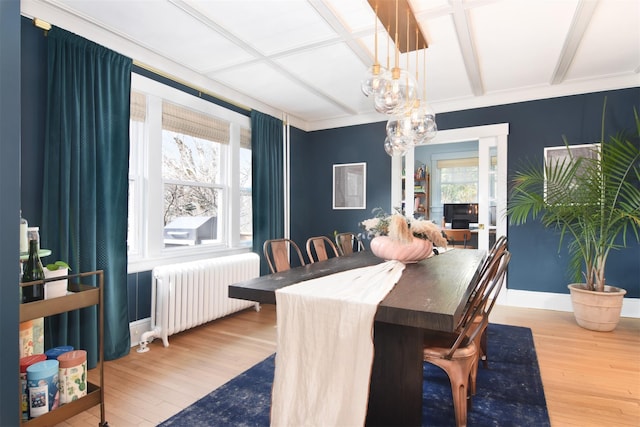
(596, 311)
(386, 248)
(56, 288)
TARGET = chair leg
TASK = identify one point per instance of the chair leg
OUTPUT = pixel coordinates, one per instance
(458, 371)
(473, 375)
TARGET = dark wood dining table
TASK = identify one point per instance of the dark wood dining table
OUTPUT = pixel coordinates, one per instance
(430, 294)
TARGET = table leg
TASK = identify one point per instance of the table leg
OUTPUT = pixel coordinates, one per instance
(395, 394)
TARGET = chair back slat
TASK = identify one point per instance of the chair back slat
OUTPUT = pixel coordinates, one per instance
(317, 248)
(348, 242)
(276, 251)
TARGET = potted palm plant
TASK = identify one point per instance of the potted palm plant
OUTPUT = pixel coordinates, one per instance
(594, 204)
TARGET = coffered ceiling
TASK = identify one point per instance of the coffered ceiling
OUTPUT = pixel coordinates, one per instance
(306, 58)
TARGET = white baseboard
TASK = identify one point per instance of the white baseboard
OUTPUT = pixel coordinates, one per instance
(137, 328)
(557, 302)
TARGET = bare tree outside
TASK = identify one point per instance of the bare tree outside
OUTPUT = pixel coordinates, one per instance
(190, 168)
(246, 215)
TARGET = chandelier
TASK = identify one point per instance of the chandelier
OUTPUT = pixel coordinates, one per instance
(395, 91)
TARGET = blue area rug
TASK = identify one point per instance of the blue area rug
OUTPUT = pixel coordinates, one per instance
(509, 393)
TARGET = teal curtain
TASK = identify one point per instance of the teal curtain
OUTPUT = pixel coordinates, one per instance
(85, 187)
(268, 181)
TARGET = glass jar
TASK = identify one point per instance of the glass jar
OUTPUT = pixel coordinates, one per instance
(33, 233)
(24, 235)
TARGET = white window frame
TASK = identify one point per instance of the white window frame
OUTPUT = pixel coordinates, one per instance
(148, 180)
(136, 168)
(437, 182)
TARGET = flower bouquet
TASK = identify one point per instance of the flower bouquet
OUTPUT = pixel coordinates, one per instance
(404, 239)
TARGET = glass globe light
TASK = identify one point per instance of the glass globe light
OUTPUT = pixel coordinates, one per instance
(386, 99)
(423, 122)
(399, 127)
(395, 146)
(374, 78)
(397, 95)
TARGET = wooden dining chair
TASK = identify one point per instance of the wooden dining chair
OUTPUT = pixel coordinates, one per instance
(499, 246)
(277, 251)
(456, 353)
(487, 272)
(458, 237)
(488, 267)
(348, 243)
(319, 247)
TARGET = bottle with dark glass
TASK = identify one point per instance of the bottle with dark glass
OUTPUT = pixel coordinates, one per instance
(33, 271)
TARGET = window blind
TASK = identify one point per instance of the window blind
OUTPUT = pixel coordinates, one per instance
(458, 163)
(138, 107)
(183, 120)
(245, 138)
(462, 163)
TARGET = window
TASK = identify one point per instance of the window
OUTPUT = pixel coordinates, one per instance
(458, 180)
(190, 176)
(136, 137)
(194, 151)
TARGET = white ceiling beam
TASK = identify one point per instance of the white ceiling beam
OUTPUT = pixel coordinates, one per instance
(579, 23)
(467, 47)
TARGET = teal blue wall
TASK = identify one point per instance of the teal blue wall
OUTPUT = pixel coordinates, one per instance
(536, 264)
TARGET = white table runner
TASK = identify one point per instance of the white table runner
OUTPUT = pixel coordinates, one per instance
(325, 346)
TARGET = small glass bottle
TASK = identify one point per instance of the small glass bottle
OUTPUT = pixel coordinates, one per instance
(33, 233)
(24, 240)
(33, 271)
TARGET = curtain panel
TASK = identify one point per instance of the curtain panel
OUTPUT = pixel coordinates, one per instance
(85, 189)
(268, 181)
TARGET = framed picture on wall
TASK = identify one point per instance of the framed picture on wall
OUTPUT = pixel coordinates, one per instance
(350, 186)
(559, 154)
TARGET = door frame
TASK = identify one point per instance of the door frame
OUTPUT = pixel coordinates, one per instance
(487, 136)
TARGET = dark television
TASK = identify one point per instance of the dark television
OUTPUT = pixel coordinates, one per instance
(461, 212)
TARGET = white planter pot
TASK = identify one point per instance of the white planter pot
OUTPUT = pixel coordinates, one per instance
(596, 311)
(56, 288)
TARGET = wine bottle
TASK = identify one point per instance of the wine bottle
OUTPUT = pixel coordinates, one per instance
(33, 271)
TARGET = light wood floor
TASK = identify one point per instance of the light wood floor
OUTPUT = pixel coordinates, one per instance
(590, 378)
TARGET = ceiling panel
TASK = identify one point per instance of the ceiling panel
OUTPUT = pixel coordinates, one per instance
(165, 29)
(514, 48)
(446, 75)
(331, 70)
(356, 15)
(611, 43)
(269, 26)
(265, 83)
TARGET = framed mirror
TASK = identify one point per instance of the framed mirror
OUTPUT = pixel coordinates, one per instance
(350, 186)
(555, 156)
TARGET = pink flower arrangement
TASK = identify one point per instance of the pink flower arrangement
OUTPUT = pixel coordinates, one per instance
(403, 229)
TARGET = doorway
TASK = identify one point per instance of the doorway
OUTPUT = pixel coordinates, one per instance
(492, 171)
